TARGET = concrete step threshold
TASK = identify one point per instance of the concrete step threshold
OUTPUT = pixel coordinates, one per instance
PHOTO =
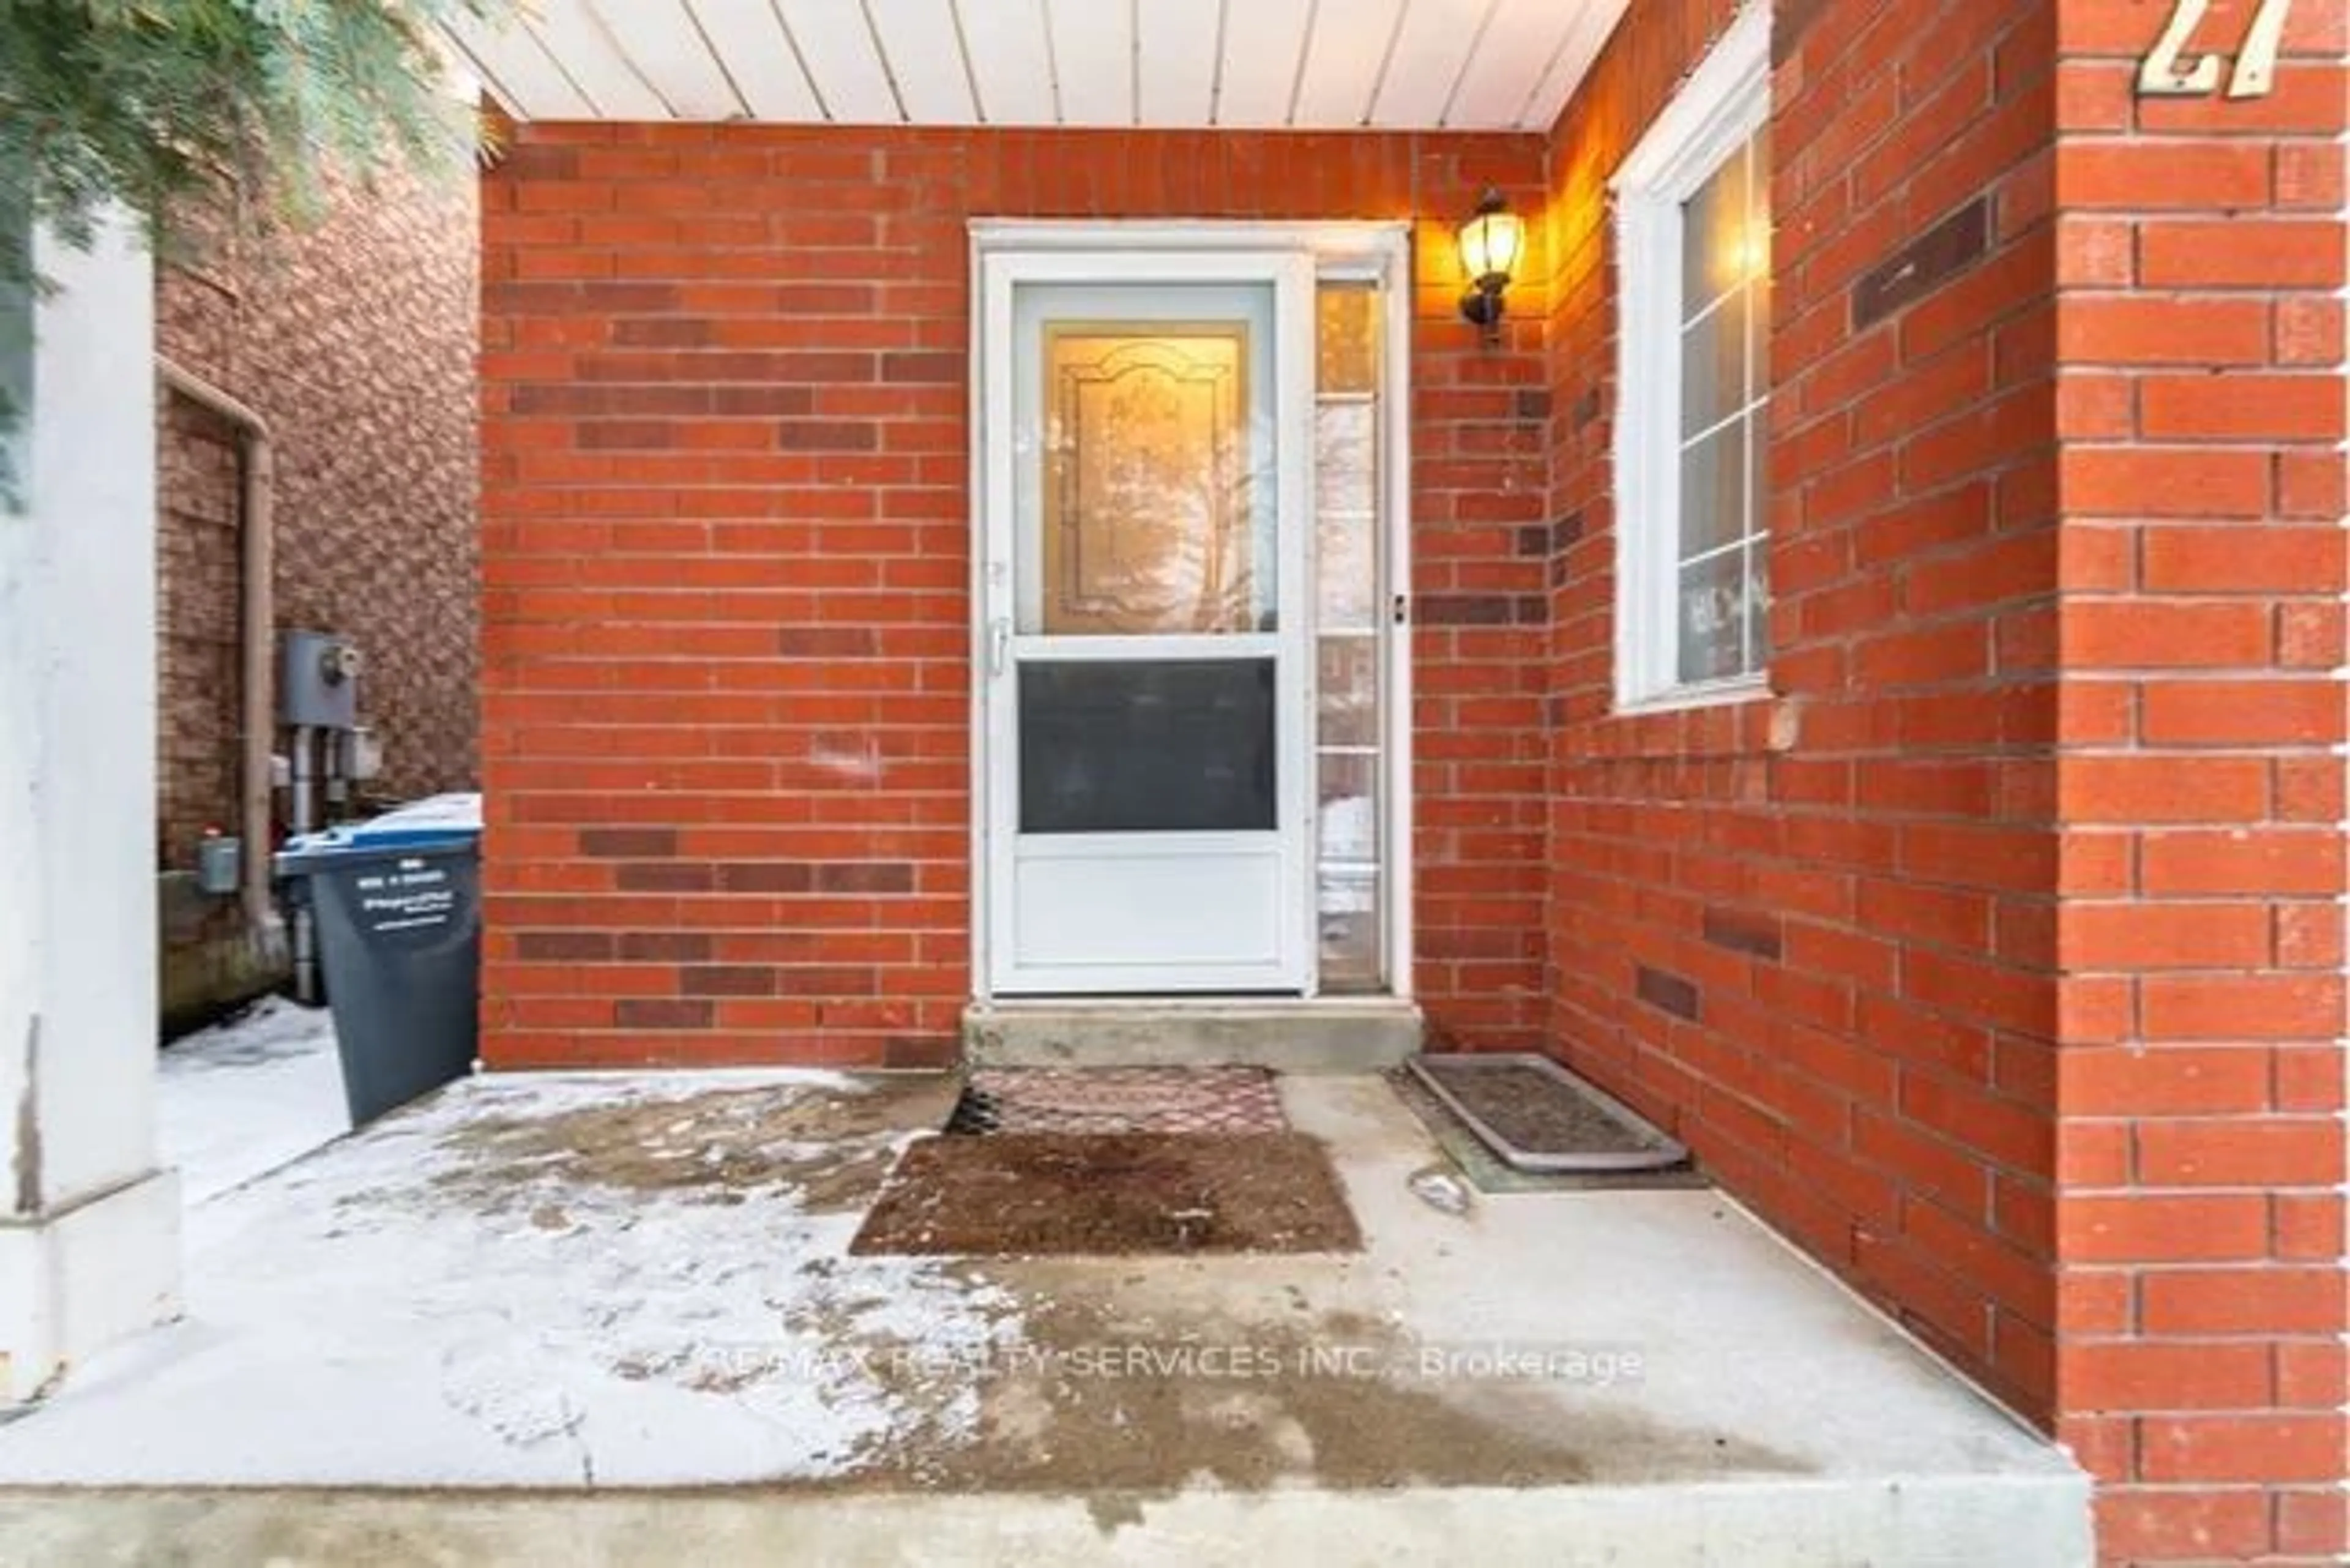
(1326, 1034)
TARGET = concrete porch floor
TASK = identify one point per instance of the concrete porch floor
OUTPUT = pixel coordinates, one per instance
(585, 1319)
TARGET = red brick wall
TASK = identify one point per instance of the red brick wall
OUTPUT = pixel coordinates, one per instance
(726, 722)
(1813, 933)
(2009, 924)
(2199, 1229)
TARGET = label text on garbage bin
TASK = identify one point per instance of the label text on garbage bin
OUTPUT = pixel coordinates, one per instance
(413, 895)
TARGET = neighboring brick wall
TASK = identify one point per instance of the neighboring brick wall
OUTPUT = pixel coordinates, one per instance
(355, 338)
(727, 545)
(1813, 933)
(198, 672)
(2201, 793)
(209, 961)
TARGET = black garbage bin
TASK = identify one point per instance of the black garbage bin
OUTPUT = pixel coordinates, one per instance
(396, 915)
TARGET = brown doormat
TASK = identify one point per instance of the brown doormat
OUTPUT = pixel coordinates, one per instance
(1111, 1194)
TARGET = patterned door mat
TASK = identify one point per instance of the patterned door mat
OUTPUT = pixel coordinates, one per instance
(1095, 1100)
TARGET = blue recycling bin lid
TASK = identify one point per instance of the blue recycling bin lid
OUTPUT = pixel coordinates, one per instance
(436, 821)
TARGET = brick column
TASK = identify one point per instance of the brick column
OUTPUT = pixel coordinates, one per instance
(2200, 790)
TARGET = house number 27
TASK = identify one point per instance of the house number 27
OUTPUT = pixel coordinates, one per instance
(2169, 72)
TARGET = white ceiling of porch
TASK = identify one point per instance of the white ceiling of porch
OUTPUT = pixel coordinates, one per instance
(1479, 65)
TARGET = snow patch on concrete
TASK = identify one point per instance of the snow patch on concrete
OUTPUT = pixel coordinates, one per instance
(417, 1306)
(245, 1096)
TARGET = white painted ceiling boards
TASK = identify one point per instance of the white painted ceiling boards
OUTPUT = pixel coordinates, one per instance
(1469, 65)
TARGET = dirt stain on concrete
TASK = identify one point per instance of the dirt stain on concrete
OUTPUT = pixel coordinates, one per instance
(829, 1147)
(1115, 1416)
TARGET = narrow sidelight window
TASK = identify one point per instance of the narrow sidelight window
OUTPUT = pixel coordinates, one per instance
(1347, 415)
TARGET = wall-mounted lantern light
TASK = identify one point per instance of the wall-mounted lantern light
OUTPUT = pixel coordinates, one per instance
(1491, 242)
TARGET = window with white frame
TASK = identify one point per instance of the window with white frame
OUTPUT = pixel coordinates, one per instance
(1693, 380)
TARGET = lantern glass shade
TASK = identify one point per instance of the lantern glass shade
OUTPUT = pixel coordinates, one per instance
(1489, 245)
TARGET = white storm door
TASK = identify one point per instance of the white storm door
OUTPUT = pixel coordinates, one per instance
(1146, 427)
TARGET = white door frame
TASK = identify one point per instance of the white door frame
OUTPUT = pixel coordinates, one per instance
(1082, 251)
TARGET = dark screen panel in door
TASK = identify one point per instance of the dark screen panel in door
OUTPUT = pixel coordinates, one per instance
(1148, 746)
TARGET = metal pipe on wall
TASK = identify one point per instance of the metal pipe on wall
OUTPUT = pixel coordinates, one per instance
(257, 631)
(301, 777)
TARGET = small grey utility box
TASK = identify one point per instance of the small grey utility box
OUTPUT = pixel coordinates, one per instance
(220, 865)
(319, 687)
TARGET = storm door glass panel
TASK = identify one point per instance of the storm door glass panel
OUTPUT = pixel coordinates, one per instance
(1350, 417)
(1144, 455)
(1147, 489)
